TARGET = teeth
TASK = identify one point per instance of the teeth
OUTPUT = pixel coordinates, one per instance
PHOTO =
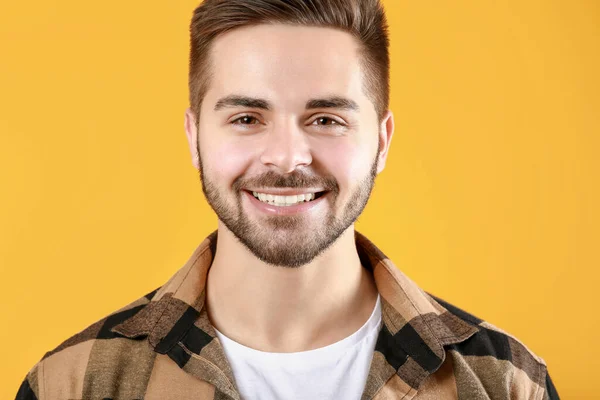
(279, 199)
(283, 201)
(291, 199)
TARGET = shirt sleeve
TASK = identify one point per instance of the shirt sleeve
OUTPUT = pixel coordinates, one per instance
(26, 392)
(550, 392)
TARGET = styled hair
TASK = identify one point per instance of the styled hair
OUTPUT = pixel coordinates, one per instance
(363, 19)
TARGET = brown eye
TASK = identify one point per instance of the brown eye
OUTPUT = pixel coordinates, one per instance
(325, 119)
(328, 123)
(245, 120)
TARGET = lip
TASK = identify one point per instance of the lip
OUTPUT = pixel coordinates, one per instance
(285, 191)
(285, 210)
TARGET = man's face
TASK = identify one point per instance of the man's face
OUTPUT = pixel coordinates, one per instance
(285, 118)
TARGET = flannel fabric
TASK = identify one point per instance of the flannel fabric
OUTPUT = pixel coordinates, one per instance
(162, 346)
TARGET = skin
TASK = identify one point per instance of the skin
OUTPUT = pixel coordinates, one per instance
(287, 283)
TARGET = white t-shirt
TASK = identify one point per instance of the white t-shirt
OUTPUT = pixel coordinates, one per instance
(337, 371)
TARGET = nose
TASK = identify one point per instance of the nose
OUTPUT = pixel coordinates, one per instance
(286, 148)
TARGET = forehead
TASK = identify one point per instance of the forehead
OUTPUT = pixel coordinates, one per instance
(286, 64)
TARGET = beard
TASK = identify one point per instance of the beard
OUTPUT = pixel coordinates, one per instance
(288, 240)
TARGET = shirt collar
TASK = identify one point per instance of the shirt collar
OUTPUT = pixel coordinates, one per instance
(410, 344)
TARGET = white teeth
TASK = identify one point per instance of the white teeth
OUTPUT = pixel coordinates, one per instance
(291, 199)
(284, 200)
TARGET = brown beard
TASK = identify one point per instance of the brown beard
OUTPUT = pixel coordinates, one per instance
(269, 242)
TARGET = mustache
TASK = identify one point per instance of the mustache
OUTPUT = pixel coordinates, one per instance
(295, 179)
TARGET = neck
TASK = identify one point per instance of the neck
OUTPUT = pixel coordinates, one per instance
(278, 309)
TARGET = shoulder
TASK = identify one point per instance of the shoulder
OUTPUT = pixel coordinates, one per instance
(62, 371)
(497, 359)
(100, 330)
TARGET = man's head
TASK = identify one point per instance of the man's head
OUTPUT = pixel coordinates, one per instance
(288, 97)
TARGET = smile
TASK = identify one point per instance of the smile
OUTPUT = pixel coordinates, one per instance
(286, 201)
(291, 204)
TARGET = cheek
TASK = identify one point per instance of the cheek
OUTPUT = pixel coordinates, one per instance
(347, 162)
(225, 160)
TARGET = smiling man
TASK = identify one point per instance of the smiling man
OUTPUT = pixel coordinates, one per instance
(288, 127)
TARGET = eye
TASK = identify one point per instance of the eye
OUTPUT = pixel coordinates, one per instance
(324, 121)
(245, 120)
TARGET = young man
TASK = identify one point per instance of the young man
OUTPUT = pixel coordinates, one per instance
(289, 126)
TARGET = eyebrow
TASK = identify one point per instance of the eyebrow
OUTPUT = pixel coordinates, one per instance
(337, 102)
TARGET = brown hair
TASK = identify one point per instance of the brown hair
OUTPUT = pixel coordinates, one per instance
(363, 19)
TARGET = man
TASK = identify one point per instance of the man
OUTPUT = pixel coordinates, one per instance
(288, 126)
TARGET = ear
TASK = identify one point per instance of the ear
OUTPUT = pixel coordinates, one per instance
(191, 131)
(386, 131)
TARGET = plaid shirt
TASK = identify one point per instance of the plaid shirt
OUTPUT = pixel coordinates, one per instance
(162, 346)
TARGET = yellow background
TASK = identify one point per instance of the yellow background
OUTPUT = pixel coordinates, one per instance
(489, 200)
